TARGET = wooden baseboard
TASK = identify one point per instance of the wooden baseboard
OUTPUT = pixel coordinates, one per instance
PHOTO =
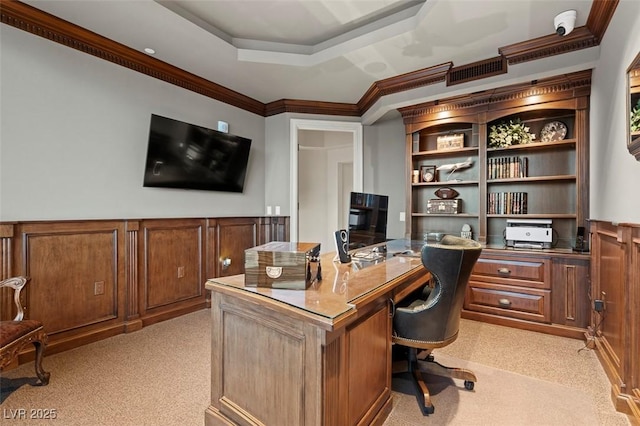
(60, 344)
(554, 329)
(174, 312)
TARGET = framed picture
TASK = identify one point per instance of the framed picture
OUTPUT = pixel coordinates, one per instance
(428, 173)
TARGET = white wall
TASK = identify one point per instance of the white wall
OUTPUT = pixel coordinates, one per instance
(74, 132)
(383, 163)
(615, 174)
(319, 158)
(277, 161)
(74, 129)
(385, 169)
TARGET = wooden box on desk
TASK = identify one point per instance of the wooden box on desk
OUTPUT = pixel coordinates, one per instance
(282, 265)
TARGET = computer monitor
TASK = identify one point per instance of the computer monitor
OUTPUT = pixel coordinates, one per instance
(367, 219)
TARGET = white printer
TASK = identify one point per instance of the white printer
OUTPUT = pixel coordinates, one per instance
(529, 233)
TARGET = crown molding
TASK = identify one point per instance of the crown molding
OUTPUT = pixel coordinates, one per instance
(600, 16)
(400, 83)
(552, 88)
(42, 24)
(549, 45)
(311, 107)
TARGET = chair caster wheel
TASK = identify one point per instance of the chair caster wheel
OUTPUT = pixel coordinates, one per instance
(468, 385)
(428, 410)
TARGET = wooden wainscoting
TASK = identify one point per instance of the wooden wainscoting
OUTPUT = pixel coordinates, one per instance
(77, 281)
(615, 263)
(171, 268)
(92, 279)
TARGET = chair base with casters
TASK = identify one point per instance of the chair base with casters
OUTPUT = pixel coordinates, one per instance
(17, 334)
(429, 317)
(423, 362)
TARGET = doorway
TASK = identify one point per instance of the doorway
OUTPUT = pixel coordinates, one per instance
(326, 164)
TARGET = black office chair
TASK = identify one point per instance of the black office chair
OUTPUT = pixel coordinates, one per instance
(429, 318)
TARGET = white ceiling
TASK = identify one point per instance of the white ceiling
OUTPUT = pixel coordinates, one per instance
(321, 50)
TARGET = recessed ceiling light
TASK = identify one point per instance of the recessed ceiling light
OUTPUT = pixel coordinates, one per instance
(149, 50)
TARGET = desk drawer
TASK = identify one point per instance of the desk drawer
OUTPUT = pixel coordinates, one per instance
(509, 301)
(525, 272)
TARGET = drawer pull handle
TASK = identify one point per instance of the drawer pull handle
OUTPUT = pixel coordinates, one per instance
(504, 303)
(504, 271)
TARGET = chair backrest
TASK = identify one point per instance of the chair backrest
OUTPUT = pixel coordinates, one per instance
(437, 319)
(16, 283)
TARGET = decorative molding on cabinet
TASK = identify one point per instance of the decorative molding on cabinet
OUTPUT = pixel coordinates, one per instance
(92, 279)
(615, 271)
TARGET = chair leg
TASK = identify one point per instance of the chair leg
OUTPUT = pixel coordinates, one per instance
(42, 375)
(423, 396)
(432, 367)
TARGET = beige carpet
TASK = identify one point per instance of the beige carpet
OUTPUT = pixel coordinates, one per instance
(498, 398)
(160, 376)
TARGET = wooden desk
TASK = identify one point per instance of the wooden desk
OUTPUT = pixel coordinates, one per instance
(320, 356)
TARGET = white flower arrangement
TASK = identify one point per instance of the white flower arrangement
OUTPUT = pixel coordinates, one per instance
(512, 133)
(635, 118)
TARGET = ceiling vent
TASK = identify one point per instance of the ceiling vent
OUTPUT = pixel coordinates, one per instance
(477, 70)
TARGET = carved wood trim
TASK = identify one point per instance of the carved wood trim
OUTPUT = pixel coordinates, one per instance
(565, 86)
(42, 24)
(6, 252)
(132, 312)
(549, 45)
(12, 350)
(570, 277)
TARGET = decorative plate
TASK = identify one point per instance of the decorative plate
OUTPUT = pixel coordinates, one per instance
(553, 131)
(446, 193)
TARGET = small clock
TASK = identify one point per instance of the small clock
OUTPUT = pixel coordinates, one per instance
(428, 173)
(553, 131)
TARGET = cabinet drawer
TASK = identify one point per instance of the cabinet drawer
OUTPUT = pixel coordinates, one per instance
(509, 301)
(530, 273)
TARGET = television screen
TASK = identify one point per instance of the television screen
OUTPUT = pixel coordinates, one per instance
(182, 155)
(367, 219)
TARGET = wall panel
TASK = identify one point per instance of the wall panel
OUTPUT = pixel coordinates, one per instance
(172, 256)
(615, 261)
(76, 270)
(91, 279)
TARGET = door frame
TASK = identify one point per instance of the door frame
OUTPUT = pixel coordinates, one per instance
(327, 126)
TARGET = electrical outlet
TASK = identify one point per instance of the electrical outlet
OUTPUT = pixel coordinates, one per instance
(98, 288)
(180, 271)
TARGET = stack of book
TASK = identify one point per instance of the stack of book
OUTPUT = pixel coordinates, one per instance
(507, 167)
(507, 203)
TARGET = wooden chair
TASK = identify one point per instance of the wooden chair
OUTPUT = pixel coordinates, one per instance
(429, 318)
(17, 334)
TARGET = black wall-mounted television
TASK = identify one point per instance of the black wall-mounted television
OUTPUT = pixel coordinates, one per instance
(182, 155)
(367, 219)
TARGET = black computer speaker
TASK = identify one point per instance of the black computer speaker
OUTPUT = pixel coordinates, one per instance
(342, 245)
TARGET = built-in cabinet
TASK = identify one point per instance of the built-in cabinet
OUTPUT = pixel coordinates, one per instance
(544, 289)
(616, 328)
(93, 279)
